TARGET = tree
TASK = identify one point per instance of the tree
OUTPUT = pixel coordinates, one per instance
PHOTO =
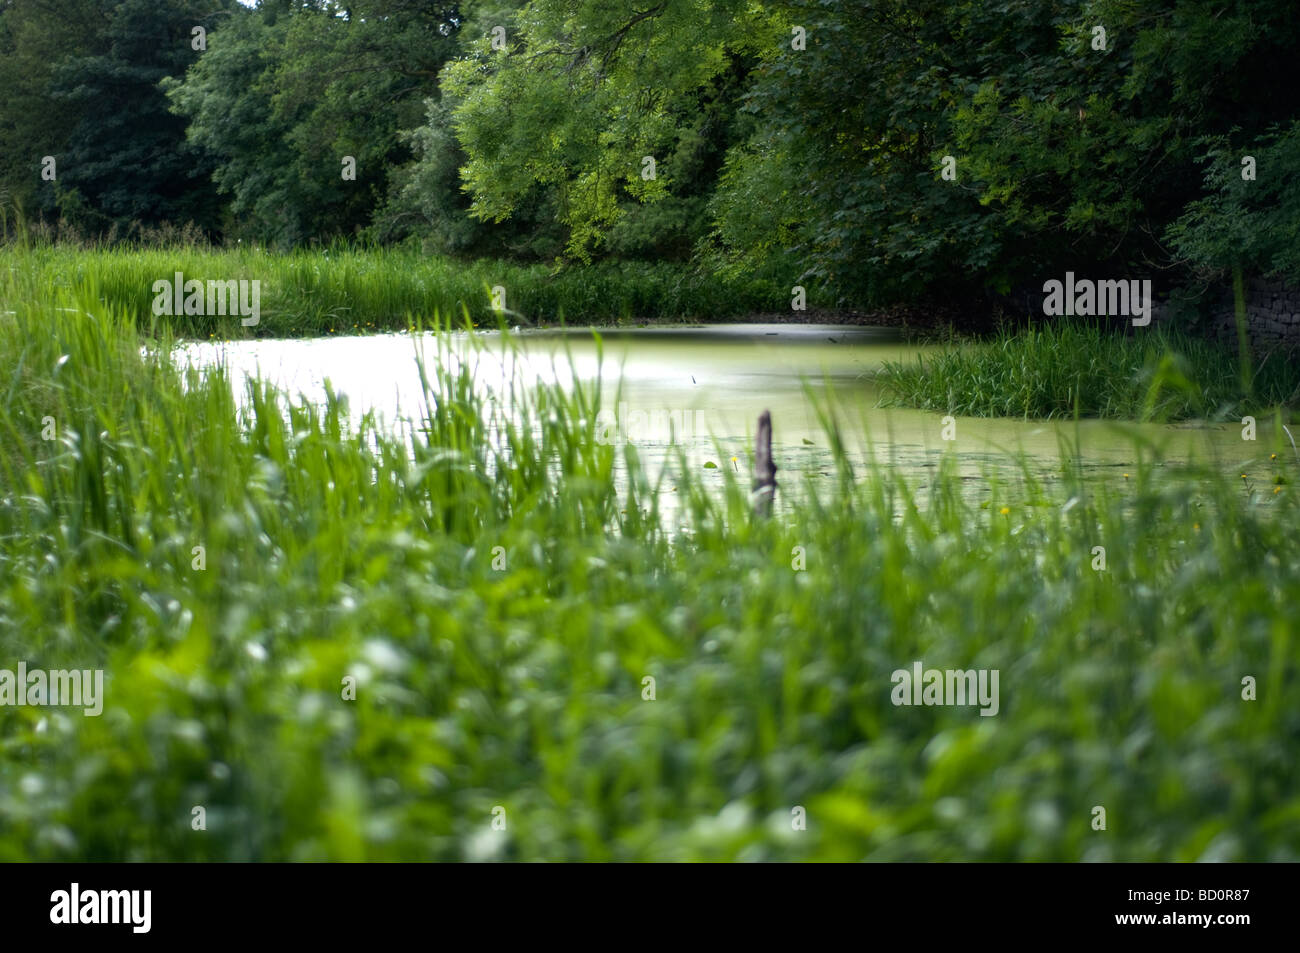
(1250, 217)
(567, 103)
(127, 159)
(289, 97)
(32, 123)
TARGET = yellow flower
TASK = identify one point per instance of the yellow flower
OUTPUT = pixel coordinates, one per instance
(1277, 489)
(1197, 527)
(1272, 456)
(1005, 510)
(1126, 476)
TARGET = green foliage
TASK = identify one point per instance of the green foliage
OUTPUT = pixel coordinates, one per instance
(1085, 152)
(229, 113)
(1067, 156)
(126, 162)
(580, 97)
(284, 95)
(1061, 369)
(334, 549)
(1252, 224)
(34, 123)
(520, 129)
(346, 290)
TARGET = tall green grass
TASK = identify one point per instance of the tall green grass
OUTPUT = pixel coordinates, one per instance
(335, 550)
(1060, 368)
(348, 290)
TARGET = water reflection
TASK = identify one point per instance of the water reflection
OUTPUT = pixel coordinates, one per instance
(704, 388)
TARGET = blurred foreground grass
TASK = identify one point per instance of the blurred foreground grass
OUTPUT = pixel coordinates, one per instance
(336, 551)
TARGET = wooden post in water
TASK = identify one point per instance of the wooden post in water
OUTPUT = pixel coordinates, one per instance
(764, 467)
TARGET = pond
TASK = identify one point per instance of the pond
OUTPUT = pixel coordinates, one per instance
(706, 386)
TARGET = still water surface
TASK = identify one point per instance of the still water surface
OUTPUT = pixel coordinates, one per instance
(706, 386)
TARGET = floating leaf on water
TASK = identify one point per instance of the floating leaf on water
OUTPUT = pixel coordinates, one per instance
(710, 465)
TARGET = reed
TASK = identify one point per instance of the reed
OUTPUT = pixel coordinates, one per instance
(515, 677)
(1055, 369)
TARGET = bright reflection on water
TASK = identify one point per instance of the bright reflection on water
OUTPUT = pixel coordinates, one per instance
(707, 386)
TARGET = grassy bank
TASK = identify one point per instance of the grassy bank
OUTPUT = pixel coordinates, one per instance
(1057, 369)
(515, 679)
(346, 291)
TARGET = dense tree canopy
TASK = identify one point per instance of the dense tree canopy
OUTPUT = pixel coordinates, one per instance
(878, 150)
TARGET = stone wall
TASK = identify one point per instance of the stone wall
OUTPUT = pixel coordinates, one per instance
(1272, 315)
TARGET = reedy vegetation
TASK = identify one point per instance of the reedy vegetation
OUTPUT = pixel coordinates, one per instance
(353, 290)
(336, 549)
(1061, 368)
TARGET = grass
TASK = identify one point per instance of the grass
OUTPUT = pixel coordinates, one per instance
(334, 551)
(348, 290)
(1058, 368)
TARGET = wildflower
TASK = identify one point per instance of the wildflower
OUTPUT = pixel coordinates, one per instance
(1005, 510)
